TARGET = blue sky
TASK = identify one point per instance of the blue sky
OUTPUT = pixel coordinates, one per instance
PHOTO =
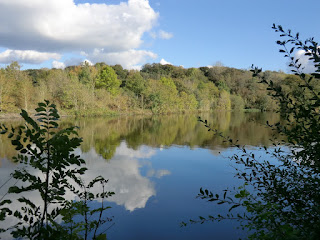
(182, 32)
(236, 33)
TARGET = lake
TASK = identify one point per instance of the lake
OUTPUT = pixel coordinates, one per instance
(156, 166)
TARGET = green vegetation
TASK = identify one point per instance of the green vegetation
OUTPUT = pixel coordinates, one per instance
(105, 134)
(280, 195)
(109, 90)
(49, 187)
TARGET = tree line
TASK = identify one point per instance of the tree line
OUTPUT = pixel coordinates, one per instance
(101, 89)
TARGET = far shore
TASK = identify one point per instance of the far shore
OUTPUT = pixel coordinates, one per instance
(10, 116)
(16, 116)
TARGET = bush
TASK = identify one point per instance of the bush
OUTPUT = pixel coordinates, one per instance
(49, 170)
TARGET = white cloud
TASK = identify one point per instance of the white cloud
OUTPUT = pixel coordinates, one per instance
(62, 26)
(59, 65)
(153, 35)
(128, 59)
(306, 64)
(86, 61)
(164, 62)
(165, 35)
(26, 56)
(161, 34)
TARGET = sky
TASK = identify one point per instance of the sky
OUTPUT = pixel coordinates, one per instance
(188, 33)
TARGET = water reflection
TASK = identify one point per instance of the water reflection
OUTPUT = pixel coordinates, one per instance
(132, 189)
(116, 147)
(156, 164)
(106, 134)
(124, 173)
(123, 143)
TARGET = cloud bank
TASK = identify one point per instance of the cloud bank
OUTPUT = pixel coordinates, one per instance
(28, 56)
(38, 30)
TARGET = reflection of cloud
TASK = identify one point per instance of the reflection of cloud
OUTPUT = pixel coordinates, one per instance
(162, 172)
(143, 152)
(5, 182)
(159, 173)
(123, 171)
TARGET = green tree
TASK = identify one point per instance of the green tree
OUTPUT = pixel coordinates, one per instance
(13, 70)
(6, 88)
(224, 102)
(108, 79)
(168, 82)
(25, 91)
(87, 74)
(222, 85)
(207, 95)
(121, 73)
(188, 102)
(135, 83)
(162, 96)
(237, 102)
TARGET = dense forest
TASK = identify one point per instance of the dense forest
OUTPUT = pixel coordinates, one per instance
(102, 89)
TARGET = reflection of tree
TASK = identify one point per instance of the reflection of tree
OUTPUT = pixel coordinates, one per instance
(102, 134)
(107, 147)
(7, 150)
(106, 134)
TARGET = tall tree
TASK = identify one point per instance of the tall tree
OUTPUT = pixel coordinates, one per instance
(108, 80)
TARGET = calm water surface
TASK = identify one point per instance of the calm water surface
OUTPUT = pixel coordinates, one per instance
(156, 165)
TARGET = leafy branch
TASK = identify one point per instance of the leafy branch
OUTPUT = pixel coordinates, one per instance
(50, 171)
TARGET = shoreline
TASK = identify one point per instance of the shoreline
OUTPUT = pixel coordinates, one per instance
(10, 116)
(16, 116)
